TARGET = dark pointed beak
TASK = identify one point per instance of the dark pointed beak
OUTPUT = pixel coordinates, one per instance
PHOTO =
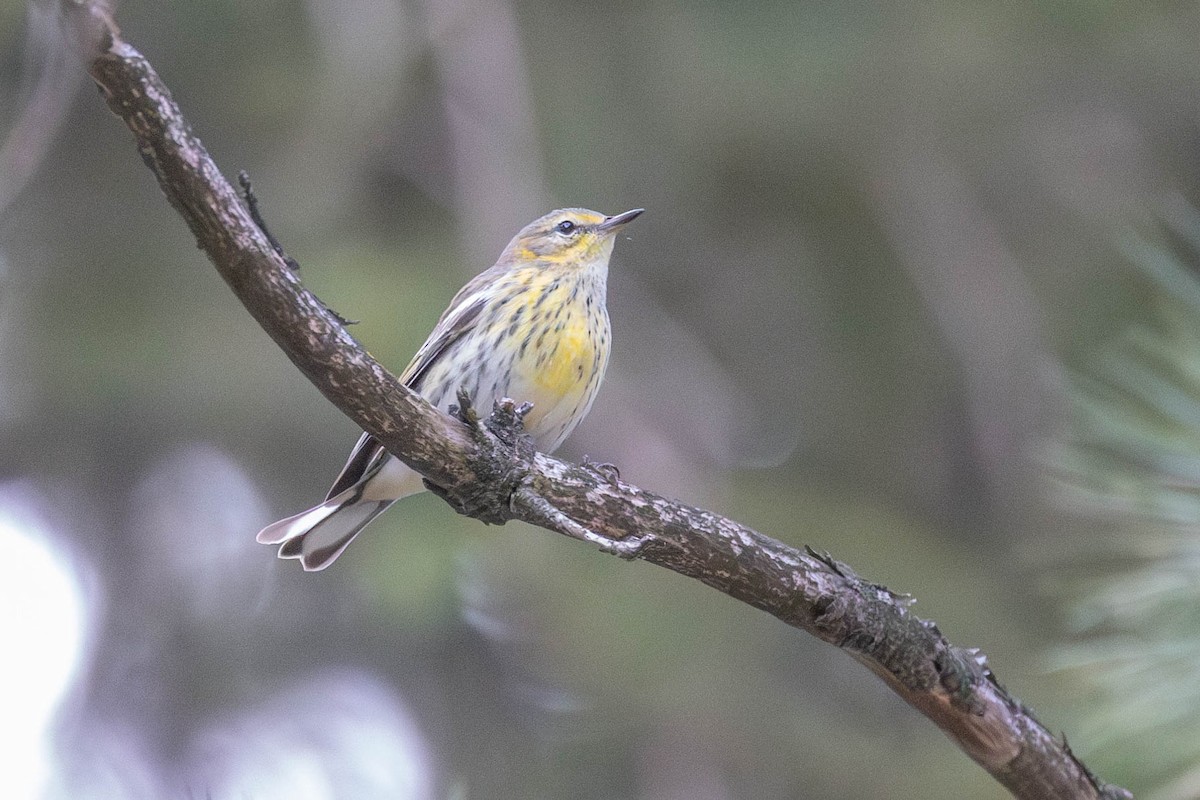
(617, 220)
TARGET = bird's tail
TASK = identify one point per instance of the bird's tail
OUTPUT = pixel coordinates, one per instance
(319, 535)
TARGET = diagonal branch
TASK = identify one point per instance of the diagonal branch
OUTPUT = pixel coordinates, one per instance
(488, 471)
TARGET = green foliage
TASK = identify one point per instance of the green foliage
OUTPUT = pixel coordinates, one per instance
(1130, 459)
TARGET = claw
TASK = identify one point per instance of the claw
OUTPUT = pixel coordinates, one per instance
(464, 411)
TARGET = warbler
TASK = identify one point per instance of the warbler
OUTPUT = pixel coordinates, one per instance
(534, 327)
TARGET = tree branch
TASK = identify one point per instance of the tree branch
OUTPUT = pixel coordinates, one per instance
(488, 470)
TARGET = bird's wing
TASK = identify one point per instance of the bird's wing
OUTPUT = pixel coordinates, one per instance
(456, 321)
(365, 451)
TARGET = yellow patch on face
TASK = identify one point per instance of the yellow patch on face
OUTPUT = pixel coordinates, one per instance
(578, 250)
(544, 240)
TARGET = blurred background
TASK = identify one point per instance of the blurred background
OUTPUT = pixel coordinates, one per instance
(915, 286)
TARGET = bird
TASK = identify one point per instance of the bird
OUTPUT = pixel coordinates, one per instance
(534, 328)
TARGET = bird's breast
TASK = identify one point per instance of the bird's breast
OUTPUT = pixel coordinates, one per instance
(562, 358)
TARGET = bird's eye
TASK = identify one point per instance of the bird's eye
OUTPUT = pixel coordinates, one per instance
(566, 226)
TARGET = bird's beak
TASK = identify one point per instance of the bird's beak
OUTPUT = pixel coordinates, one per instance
(617, 220)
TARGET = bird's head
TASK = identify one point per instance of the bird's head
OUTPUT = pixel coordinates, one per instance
(568, 237)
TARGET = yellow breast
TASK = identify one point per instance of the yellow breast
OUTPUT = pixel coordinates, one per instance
(564, 359)
(569, 362)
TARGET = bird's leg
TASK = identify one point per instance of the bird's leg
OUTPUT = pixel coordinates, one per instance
(506, 424)
(510, 452)
(505, 452)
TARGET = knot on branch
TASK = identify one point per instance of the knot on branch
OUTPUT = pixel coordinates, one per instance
(506, 454)
(960, 672)
(502, 489)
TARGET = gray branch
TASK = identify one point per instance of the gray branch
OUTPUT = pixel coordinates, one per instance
(488, 470)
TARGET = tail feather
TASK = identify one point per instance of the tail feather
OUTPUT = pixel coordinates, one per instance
(319, 547)
(320, 534)
(290, 528)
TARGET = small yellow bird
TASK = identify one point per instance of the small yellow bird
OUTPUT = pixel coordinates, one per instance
(534, 328)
